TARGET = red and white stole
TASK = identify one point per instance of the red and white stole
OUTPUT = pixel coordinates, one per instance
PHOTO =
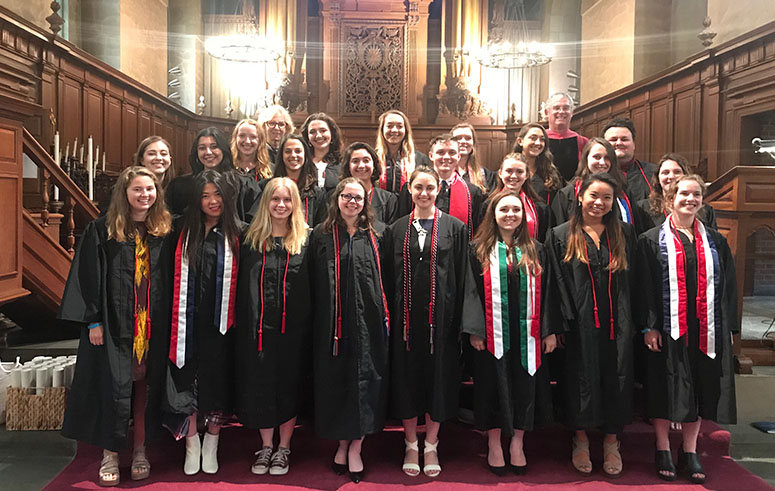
(183, 297)
(460, 203)
(674, 296)
(496, 306)
(531, 216)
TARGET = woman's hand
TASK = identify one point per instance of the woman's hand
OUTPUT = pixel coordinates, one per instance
(560, 340)
(549, 343)
(653, 340)
(477, 342)
(96, 335)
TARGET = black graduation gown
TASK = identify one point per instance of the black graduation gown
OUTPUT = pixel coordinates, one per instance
(490, 180)
(330, 177)
(566, 155)
(537, 182)
(393, 172)
(351, 388)
(272, 155)
(424, 382)
(639, 179)
(270, 381)
(545, 218)
(598, 372)
(181, 189)
(707, 216)
(505, 395)
(682, 383)
(385, 205)
(406, 205)
(205, 384)
(100, 288)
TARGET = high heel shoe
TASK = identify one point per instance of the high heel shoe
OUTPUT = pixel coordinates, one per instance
(192, 464)
(339, 469)
(357, 476)
(663, 461)
(689, 465)
(519, 470)
(411, 469)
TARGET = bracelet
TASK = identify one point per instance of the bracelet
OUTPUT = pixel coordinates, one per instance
(94, 324)
(644, 331)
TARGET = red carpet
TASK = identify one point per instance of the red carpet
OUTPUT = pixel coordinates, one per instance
(463, 458)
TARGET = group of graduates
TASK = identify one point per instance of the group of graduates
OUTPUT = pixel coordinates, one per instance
(286, 273)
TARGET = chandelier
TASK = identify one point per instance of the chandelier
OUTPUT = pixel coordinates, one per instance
(246, 45)
(523, 54)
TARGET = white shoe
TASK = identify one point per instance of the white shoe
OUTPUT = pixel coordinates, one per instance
(210, 454)
(193, 455)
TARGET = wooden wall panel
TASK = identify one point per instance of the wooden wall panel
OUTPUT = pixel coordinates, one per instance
(685, 134)
(93, 115)
(659, 129)
(70, 113)
(10, 203)
(144, 123)
(113, 134)
(128, 133)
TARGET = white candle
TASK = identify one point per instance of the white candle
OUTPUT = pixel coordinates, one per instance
(75, 147)
(96, 159)
(103, 161)
(80, 155)
(67, 151)
(90, 166)
(56, 161)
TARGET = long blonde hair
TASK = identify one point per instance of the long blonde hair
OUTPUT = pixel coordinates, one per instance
(120, 225)
(261, 158)
(259, 234)
(407, 144)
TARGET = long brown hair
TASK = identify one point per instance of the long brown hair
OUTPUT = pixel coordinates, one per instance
(169, 174)
(545, 168)
(577, 246)
(121, 226)
(527, 187)
(583, 172)
(334, 154)
(308, 175)
(475, 168)
(488, 234)
(344, 169)
(657, 204)
(333, 217)
(261, 157)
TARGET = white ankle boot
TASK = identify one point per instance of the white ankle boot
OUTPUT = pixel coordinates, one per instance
(210, 454)
(193, 455)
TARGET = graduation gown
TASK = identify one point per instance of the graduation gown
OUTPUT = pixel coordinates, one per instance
(385, 205)
(406, 205)
(566, 148)
(100, 288)
(330, 177)
(540, 188)
(423, 381)
(598, 372)
(543, 212)
(707, 216)
(683, 383)
(269, 382)
(639, 179)
(351, 388)
(205, 384)
(490, 180)
(393, 171)
(506, 396)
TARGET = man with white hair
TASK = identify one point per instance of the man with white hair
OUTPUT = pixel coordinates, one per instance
(565, 144)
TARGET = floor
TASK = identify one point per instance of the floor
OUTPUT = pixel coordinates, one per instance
(758, 315)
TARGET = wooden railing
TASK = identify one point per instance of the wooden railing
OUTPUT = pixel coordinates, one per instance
(77, 209)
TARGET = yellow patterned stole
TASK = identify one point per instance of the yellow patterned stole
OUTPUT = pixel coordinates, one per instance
(142, 278)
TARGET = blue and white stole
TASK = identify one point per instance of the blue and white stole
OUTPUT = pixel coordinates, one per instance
(184, 293)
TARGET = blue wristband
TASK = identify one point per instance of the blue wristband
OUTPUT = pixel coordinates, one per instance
(644, 331)
(95, 324)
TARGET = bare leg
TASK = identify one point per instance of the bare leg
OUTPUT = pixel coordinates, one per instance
(267, 437)
(354, 460)
(410, 434)
(581, 435)
(431, 437)
(690, 432)
(341, 453)
(286, 432)
(516, 449)
(662, 431)
(138, 412)
(494, 449)
(213, 429)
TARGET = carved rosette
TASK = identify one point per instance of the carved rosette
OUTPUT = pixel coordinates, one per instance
(373, 69)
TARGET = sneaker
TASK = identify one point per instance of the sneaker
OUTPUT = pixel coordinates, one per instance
(280, 463)
(263, 461)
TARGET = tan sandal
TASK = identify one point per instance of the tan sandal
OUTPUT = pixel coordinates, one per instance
(580, 457)
(612, 459)
(108, 474)
(141, 468)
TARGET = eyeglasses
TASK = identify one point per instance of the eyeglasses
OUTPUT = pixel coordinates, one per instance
(276, 124)
(347, 197)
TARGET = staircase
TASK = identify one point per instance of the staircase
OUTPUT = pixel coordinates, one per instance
(48, 243)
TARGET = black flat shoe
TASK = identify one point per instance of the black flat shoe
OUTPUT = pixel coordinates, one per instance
(519, 470)
(356, 477)
(339, 469)
(663, 461)
(499, 470)
(689, 465)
